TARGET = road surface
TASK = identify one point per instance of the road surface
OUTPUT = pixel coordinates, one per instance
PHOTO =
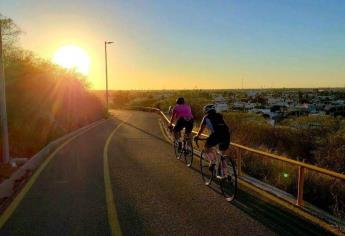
(148, 192)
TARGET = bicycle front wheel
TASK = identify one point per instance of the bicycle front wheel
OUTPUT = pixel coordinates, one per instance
(188, 152)
(206, 172)
(228, 184)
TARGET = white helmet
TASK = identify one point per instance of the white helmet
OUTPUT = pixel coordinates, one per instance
(208, 108)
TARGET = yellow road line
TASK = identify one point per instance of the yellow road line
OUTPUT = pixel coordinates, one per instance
(112, 213)
(163, 132)
(17, 200)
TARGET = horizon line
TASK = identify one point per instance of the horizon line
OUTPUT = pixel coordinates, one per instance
(196, 89)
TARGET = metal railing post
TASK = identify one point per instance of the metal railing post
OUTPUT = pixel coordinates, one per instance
(239, 162)
(300, 186)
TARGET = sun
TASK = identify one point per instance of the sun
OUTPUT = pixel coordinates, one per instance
(73, 57)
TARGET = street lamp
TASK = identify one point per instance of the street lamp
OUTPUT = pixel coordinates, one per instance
(106, 71)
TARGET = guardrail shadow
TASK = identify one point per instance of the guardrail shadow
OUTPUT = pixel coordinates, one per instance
(144, 131)
(212, 187)
(273, 217)
(284, 222)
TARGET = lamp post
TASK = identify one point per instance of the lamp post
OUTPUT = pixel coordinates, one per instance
(3, 113)
(106, 72)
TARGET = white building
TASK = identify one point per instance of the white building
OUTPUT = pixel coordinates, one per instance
(221, 104)
(244, 105)
(239, 105)
(221, 107)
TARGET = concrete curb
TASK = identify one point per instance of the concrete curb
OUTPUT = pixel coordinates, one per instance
(7, 187)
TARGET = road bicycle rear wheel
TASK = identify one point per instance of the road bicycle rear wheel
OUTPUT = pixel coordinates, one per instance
(177, 150)
(188, 152)
(228, 184)
(206, 173)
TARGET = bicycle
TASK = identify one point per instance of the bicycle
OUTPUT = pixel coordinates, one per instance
(185, 149)
(224, 170)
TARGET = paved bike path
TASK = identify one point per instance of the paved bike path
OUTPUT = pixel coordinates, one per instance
(157, 195)
(154, 193)
(68, 198)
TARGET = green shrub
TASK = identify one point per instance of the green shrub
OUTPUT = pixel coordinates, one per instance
(44, 102)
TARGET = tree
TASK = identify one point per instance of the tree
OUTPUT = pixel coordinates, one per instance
(52, 101)
(10, 33)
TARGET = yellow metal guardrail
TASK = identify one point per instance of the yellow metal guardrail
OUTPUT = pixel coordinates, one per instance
(301, 165)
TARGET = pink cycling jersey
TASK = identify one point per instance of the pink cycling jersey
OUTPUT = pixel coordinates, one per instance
(182, 110)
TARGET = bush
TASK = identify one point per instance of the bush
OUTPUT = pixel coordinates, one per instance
(52, 102)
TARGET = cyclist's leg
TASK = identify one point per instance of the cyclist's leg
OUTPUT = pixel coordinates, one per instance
(177, 135)
(188, 125)
(211, 154)
(177, 129)
(209, 148)
(224, 143)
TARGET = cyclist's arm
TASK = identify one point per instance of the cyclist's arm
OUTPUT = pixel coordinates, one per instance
(172, 117)
(202, 127)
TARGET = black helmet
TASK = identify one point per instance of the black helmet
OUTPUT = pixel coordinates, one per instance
(208, 108)
(180, 100)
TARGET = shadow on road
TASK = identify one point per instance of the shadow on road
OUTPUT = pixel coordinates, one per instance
(273, 217)
(144, 131)
(284, 223)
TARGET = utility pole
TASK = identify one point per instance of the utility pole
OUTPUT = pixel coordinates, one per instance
(106, 73)
(3, 112)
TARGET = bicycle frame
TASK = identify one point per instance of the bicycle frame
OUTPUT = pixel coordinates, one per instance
(219, 162)
(186, 152)
(219, 158)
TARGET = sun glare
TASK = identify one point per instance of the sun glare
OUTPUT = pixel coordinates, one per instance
(72, 57)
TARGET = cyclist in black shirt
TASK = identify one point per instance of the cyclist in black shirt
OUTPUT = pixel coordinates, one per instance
(219, 132)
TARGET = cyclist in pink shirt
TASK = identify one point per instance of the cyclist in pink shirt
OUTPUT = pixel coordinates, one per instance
(182, 113)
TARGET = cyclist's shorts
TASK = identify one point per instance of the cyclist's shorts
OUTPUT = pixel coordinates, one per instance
(183, 123)
(223, 140)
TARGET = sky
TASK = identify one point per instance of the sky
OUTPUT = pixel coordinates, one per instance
(167, 44)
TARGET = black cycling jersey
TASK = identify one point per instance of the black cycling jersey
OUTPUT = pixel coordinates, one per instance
(215, 123)
(220, 133)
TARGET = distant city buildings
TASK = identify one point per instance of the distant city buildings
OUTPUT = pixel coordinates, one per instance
(279, 104)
